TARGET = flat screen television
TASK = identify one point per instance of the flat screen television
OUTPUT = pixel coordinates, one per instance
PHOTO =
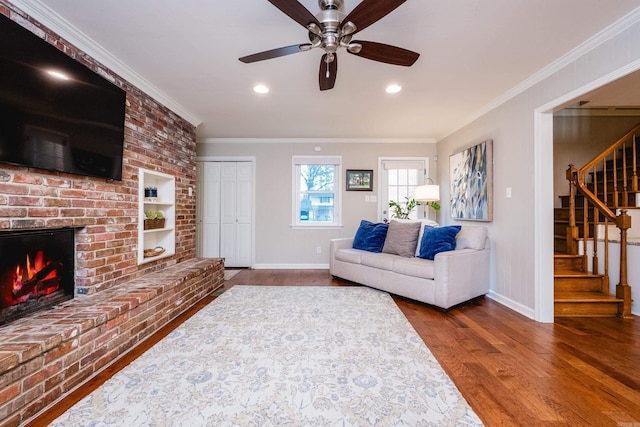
(56, 113)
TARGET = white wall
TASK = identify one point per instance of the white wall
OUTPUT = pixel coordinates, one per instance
(279, 246)
(633, 268)
(522, 229)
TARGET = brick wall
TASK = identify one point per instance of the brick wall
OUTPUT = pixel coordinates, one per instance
(43, 357)
(106, 212)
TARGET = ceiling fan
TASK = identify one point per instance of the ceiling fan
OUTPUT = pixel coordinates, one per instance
(331, 29)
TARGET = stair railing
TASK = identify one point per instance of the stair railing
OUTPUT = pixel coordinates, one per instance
(601, 195)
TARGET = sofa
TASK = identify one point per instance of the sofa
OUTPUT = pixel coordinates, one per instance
(457, 272)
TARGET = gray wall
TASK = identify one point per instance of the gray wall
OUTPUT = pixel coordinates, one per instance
(277, 244)
(522, 229)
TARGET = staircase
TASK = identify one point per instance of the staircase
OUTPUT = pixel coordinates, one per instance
(600, 194)
(579, 293)
(561, 222)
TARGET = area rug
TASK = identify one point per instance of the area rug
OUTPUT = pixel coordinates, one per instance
(283, 356)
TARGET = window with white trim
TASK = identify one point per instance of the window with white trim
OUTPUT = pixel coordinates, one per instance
(316, 191)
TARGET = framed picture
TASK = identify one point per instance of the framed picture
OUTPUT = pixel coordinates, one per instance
(471, 178)
(359, 180)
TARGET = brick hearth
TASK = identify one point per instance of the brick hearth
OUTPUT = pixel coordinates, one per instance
(46, 355)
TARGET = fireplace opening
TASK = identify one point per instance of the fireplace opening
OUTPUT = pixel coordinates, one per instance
(36, 271)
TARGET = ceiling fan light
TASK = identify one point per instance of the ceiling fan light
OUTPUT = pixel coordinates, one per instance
(261, 89)
(345, 41)
(315, 29)
(354, 47)
(348, 28)
(393, 88)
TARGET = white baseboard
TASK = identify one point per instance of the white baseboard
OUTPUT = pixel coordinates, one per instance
(513, 305)
(291, 266)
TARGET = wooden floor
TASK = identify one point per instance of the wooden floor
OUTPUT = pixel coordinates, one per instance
(512, 370)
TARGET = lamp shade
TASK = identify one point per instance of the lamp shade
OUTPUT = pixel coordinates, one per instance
(427, 193)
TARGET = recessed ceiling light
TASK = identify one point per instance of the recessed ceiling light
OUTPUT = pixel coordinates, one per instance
(260, 89)
(393, 88)
(57, 74)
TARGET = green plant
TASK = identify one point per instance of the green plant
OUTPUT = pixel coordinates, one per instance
(151, 214)
(159, 214)
(400, 212)
(434, 205)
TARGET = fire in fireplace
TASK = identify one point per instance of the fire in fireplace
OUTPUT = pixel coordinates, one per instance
(36, 271)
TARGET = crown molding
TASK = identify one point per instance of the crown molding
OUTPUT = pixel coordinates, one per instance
(316, 141)
(606, 34)
(56, 23)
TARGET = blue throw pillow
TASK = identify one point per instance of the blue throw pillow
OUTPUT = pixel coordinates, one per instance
(370, 237)
(438, 239)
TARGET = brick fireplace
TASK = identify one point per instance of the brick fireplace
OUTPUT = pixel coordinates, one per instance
(105, 213)
(117, 302)
(37, 271)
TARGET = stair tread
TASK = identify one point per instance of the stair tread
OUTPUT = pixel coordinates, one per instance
(569, 256)
(585, 297)
(575, 273)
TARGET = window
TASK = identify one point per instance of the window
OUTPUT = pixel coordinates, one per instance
(316, 184)
(402, 184)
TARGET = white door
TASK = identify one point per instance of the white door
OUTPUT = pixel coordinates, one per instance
(244, 213)
(397, 180)
(227, 212)
(209, 209)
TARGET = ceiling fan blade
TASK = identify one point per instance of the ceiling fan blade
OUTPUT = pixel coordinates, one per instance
(296, 11)
(370, 11)
(275, 53)
(386, 53)
(328, 72)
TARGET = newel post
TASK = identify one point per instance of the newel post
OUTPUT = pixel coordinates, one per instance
(572, 234)
(623, 290)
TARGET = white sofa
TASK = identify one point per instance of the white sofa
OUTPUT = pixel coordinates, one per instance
(451, 278)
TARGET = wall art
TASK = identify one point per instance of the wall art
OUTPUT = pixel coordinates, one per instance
(471, 180)
(359, 180)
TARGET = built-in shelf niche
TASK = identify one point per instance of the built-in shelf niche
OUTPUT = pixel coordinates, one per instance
(165, 201)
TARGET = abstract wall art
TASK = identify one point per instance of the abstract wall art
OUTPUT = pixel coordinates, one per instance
(471, 178)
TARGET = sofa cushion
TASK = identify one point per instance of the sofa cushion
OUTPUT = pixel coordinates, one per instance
(422, 222)
(354, 256)
(438, 239)
(471, 237)
(382, 261)
(370, 237)
(402, 238)
(416, 267)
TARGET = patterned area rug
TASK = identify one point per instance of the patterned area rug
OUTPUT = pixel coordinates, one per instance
(283, 356)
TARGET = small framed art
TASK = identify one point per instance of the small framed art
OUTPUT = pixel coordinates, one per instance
(359, 180)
